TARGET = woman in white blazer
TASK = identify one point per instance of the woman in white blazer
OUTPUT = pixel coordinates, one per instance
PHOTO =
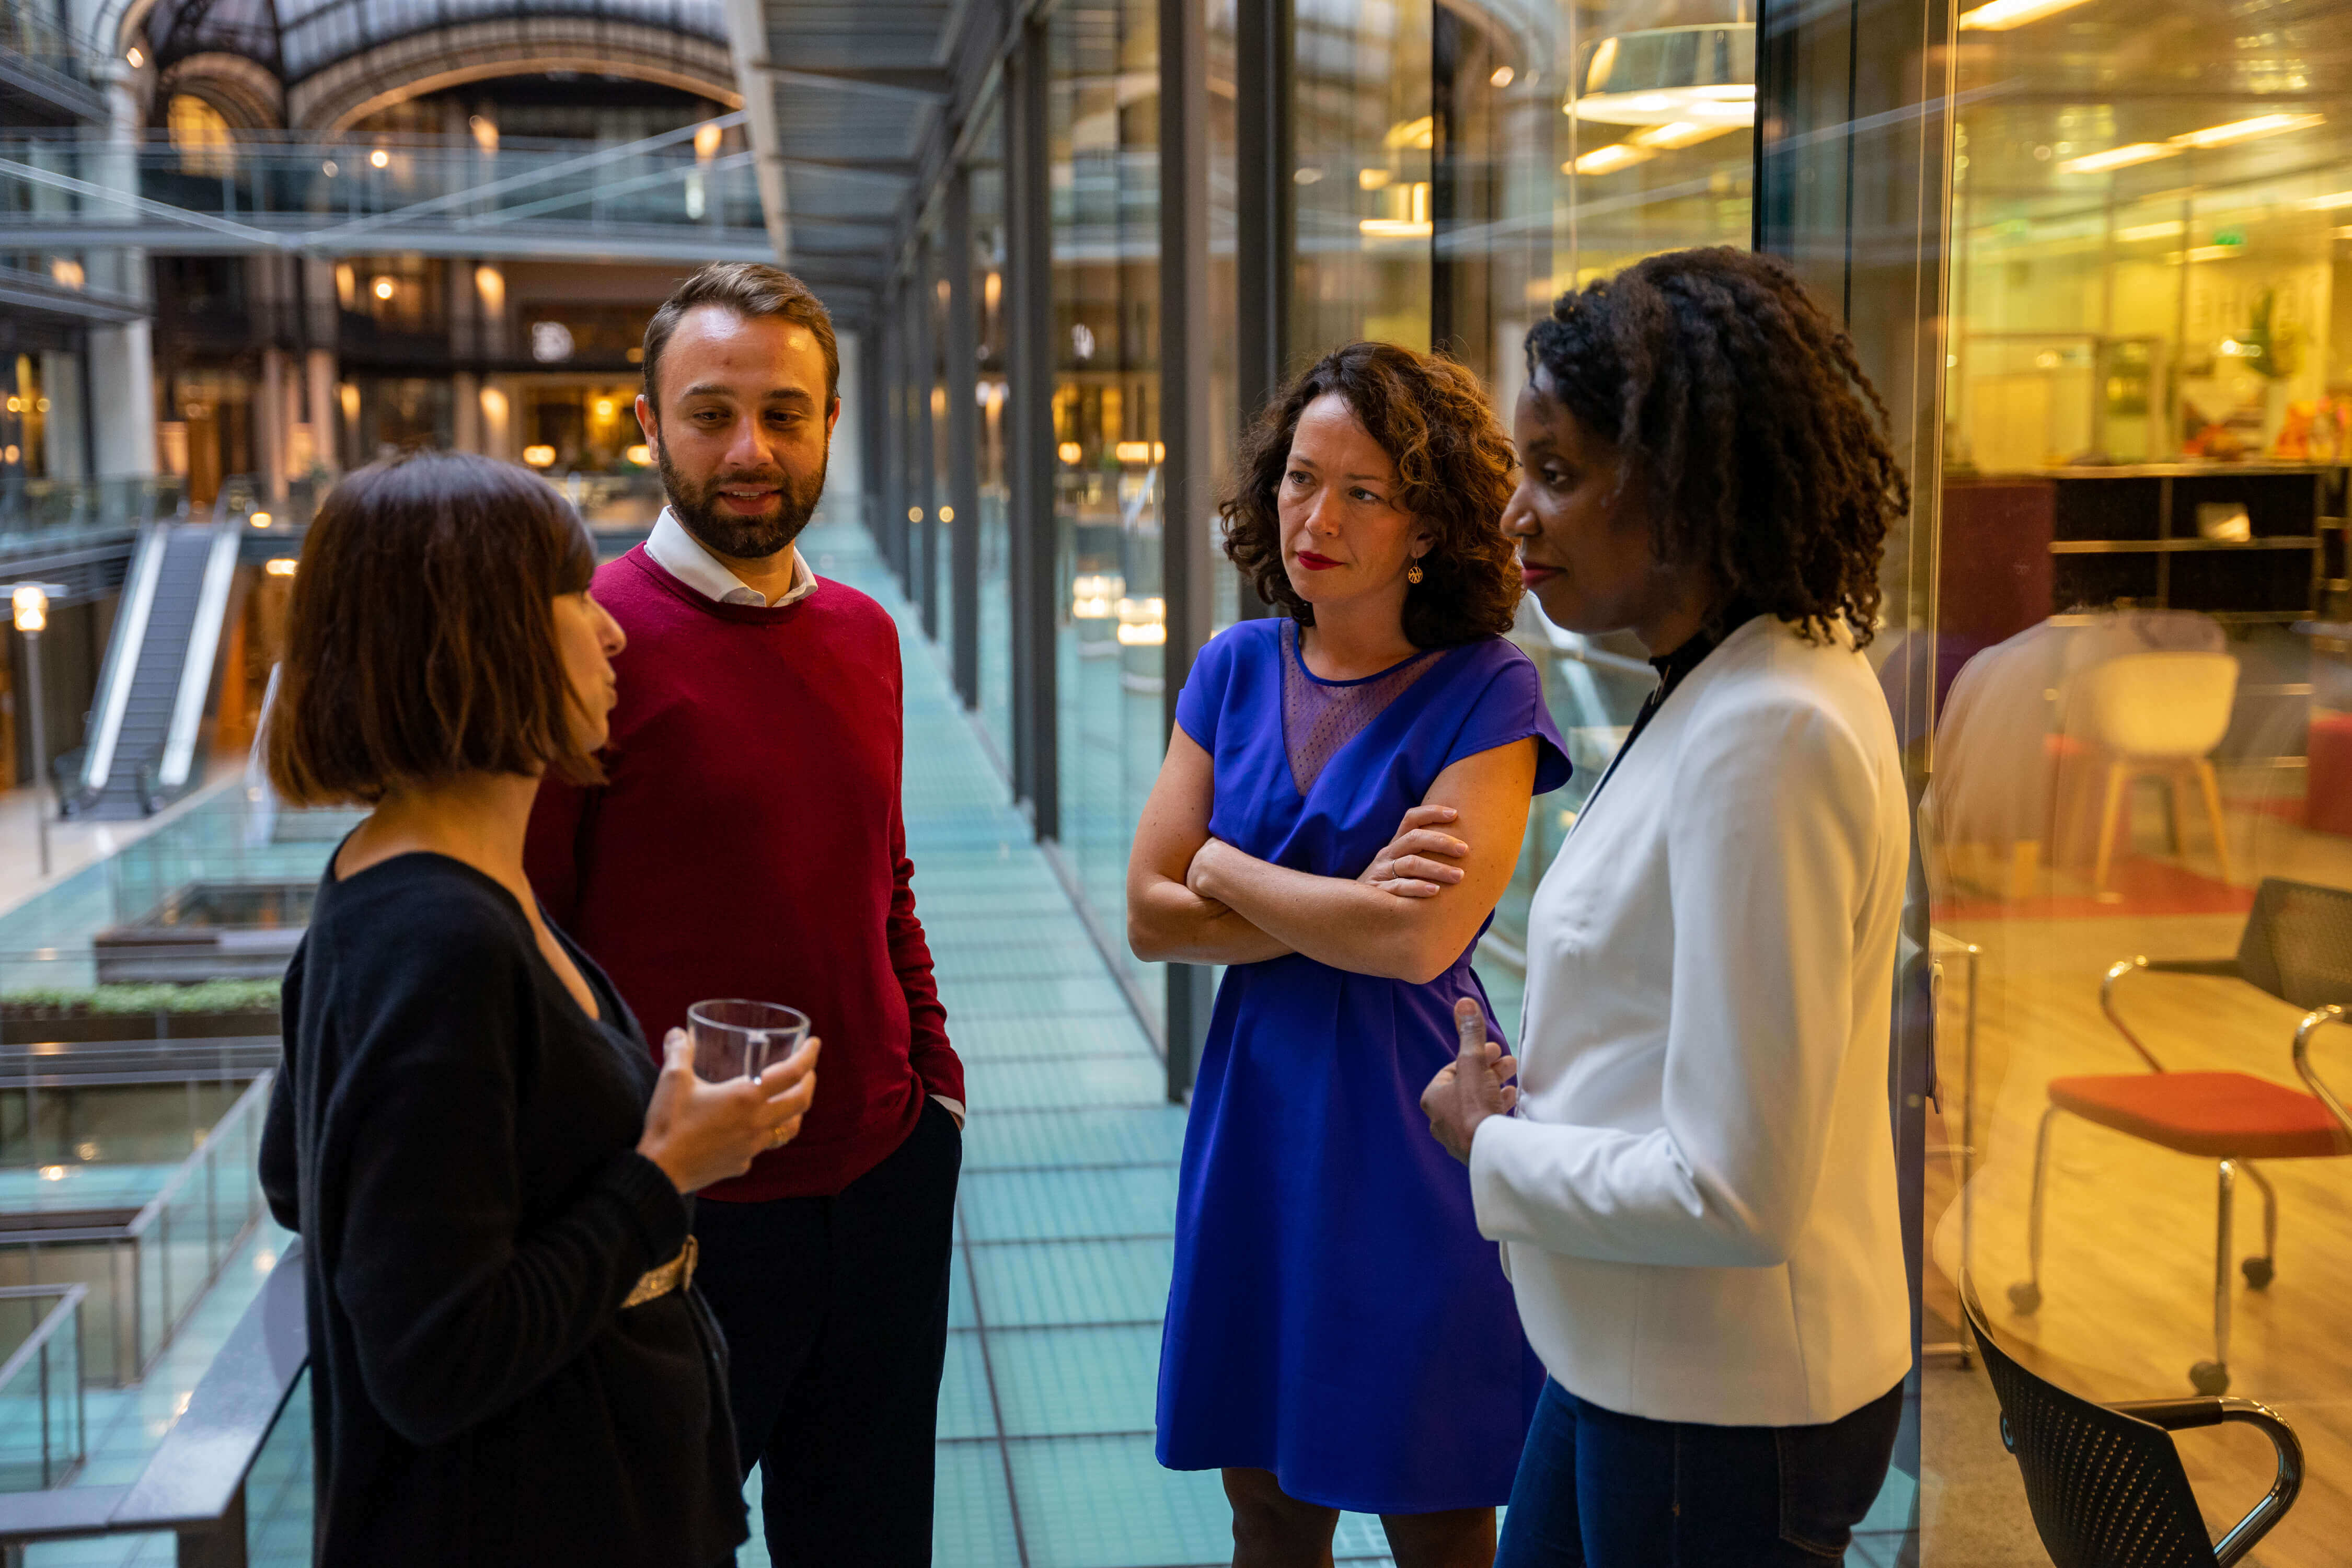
(1693, 1180)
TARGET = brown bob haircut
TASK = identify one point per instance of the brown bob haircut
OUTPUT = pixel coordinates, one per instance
(421, 641)
(752, 290)
(1454, 471)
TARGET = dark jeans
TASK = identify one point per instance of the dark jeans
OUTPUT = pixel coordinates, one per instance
(1597, 1490)
(837, 1318)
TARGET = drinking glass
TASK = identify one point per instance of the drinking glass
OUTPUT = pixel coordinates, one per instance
(739, 1039)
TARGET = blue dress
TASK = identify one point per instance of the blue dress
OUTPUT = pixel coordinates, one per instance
(1329, 1274)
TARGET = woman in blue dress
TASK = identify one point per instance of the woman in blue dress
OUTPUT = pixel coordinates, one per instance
(1341, 805)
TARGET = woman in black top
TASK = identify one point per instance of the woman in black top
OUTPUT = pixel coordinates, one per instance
(508, 1362)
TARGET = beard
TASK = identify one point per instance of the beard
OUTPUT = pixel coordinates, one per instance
(737, 537)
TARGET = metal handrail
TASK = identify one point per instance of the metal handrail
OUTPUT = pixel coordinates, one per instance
(194, 1484)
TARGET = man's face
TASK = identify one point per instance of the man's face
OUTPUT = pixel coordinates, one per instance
(742, 430)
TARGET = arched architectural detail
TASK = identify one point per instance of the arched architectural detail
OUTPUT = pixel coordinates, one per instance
(246, 94)
(353, 88)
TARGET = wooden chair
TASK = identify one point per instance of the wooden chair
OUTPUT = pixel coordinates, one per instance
(2105, 1481)
(2297, 946)
(2161, 714)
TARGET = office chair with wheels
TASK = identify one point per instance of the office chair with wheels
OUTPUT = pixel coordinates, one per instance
(2297, 947)
(2105, 1481)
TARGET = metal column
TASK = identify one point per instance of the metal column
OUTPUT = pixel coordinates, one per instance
(1030, 279)
(1266, 236)
(1187, 493)
(961, 513)
(922, 471)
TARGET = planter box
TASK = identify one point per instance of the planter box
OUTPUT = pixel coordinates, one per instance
(23, 1026)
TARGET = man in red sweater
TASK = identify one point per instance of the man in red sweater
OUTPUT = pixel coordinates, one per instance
(748, 842)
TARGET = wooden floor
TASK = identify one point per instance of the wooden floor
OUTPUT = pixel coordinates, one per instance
(2127, 1274)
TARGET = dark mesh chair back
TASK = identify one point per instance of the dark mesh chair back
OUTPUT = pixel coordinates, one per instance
(2106, 1490)
(2298, 943)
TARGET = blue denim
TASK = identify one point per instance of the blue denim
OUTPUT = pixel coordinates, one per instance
(1600, 1489)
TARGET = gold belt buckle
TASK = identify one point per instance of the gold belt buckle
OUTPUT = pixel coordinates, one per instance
(675, 1275)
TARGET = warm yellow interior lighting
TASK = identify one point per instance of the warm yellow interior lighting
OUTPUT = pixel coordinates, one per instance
(2000, 15)
(1680, 133)
(259, 520)
(379, 159)
(1419, 134)
(384, 288)
(1141, 452)
(491, 285)
(2117, 158)
(31, 603)
(1373, 179)
(604, 408)
(1070, 452)
(1143, 623)
(1091, 594)
(947, 514)
(283, 566)
(2246, 129)
(1504, 76)
(705, 143)
(1608, 159)
(2164, 230)
(538, 456)
(640, 454)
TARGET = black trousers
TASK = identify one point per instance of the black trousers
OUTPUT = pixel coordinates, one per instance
(837, 1318)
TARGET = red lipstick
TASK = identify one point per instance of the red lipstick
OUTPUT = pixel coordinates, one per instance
(1314, 562)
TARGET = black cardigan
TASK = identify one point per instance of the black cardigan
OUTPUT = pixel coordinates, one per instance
(456, 1140)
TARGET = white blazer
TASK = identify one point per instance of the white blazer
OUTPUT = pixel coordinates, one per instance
(1696, 1196)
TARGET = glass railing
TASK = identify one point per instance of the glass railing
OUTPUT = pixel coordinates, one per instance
(43, 1436)
(146, 1272)
(38, 40)
(391, 181)
(42, 512)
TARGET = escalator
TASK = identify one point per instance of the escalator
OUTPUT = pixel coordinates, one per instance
(158, 671)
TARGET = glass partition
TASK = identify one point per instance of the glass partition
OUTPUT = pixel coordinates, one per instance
(2143, 747)
(42, 1434)
(1109, 613)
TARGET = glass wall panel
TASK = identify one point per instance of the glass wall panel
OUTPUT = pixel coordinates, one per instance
(1363, 131)
(1109, 612)
(942, 525)
(2144, 727)
(986, 172)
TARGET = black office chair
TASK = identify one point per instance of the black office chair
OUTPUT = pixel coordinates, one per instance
(2105, 1481)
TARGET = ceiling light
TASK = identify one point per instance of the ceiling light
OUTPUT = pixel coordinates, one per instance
(2246, 129)
(379, 159)
(384, 288)
(1657, 75)
(1395, 228)
(2164, 230)
(1608, 159)
(1680, 133)
(2215, 252)
(2000, 15)
(2117, 158)
(1504, 76)
(2329, 202)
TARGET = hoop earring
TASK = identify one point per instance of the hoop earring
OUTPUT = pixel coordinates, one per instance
(1413, 573)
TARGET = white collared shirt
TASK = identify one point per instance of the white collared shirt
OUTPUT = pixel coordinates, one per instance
(680, 554)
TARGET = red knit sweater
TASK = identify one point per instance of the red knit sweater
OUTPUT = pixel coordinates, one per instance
(749, 842)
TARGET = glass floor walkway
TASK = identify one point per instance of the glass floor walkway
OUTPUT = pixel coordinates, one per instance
(1065, 1219)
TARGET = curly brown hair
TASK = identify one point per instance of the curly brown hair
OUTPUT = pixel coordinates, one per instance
(1748, 421)
(1454, 468)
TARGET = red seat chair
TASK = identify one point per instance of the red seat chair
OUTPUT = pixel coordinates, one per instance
(2297, 946)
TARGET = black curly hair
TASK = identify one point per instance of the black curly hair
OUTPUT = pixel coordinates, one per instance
(1748, 421)
(1454, 467)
